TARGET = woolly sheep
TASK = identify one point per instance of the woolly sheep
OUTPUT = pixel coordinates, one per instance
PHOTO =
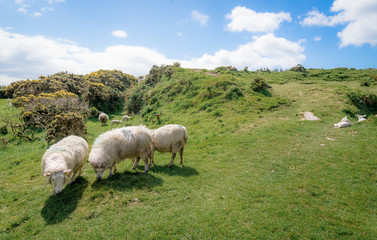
(361, 117)
(125, 118)
(62, 159)
(170, 138)
(343, 123)
(115, 122)
(112, 147)
(103, 118)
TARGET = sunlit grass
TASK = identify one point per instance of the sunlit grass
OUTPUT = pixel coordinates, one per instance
(248, 173)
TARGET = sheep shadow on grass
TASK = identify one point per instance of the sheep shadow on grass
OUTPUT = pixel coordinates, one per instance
(59, 207)
(127, 180)
(175, 170)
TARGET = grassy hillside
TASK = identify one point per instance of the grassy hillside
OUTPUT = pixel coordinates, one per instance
(253, 169)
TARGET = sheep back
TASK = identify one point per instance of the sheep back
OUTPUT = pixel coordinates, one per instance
(68, 153)
(169, 138)
(118, 144)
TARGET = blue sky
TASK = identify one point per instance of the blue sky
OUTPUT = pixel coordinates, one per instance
(42, 37)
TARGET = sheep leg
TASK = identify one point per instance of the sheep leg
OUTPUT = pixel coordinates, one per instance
(136, 163)
(152, 160)
(146, 168)
(172, 159)
(181, 156)
(111, 171)
(115, 168)
(73, 178)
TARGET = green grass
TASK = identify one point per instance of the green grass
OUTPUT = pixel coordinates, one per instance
(252, 170)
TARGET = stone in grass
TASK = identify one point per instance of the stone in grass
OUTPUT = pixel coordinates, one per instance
(310, 116)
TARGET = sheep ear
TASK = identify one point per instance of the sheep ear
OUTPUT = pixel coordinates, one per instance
(47, 174)
(67, 171)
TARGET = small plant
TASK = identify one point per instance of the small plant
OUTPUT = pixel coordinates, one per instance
(4, 130)
(259, 85)
(234, 93)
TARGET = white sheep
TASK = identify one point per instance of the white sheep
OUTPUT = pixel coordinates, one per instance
(125, 118)
(361, 117)
(170, 138)
(116, 122)
(343, 123)
(62, 159)
(103, 118)
(112, 147)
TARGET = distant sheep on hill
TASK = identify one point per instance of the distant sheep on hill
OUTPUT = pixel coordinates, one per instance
(62, 159)
(125, 118)
(170, 138)
(103, 118)
(343, 123)
(115, 122)
(112, 147)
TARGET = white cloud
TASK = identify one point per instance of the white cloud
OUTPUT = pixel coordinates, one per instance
(317, 38)
(315, 18)
(201, 18)
(359, 16)
(119, 34)
(22, 10)
(244, 19)
(36, 14)
(179, 34)
(264, 51)
(23, 57)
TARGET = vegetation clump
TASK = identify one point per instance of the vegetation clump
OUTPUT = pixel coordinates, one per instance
(259, 85)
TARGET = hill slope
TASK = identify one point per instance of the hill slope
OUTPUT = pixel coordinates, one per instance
(252, 167)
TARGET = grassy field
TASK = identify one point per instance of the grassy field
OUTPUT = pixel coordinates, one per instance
(253, 169)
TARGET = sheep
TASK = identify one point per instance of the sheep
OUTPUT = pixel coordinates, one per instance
(125, 118)
(103, 118)
(115, 122)
(62, 159)
(361, 117)
(343, 123)
(112, 147)
(170, 138)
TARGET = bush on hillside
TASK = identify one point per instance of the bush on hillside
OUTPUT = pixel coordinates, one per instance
(233, 93)
(364, 100)
(61, 114)
(259, 85)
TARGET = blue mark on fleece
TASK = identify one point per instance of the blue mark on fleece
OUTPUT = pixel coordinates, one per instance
(127, 133)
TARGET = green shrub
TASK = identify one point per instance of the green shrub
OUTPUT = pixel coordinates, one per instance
(259, 85)
(234, 93)
(64, 124)
(4, 130)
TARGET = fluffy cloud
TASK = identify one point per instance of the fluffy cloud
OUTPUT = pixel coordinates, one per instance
(201, 18)
(244, 19)
(264, 51)
(24, 57)
(119, 34)
(359, 16)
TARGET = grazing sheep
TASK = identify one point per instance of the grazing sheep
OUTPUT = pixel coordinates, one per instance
(125, 118)
(361, 117)
(115, 122)
(62, 159)
(103, 118)
(343, 123)
(170, 138)
(112, 147)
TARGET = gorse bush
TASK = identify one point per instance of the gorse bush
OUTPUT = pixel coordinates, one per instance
(259, 85)
(61, 114)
